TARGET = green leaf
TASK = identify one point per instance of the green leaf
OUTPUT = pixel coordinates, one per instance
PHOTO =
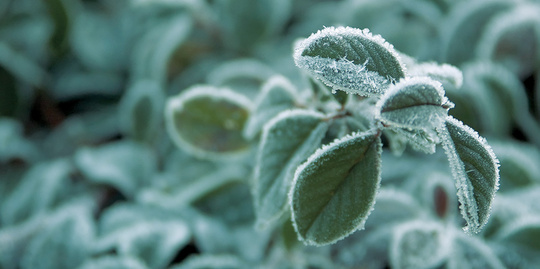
(444, 73)
(140, 110)
(208, 122)
(475, 169)
(208, 261)
(470, 252)
(277, 95)
(113, 262)
(287, 141)
(519, 165)
(334, 190)
(418, 244)
(523, 232)
(414, 103)
(420, 140)
(351, 60)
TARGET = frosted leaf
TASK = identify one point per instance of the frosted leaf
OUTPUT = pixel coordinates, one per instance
(205, 261)
(156, 243)
(443, 73)
(140, 111)
(125, 165)
(470, 252)
(512, 38)
(465, 25)
(277, 95)
(113, 262)
(475, 169)
(519, 164)
(413, 103)
(228, 72)
(21, 66)
(351, 60)
(393, 206)
(523, 232)
(420, 140)
(152, 54)
(13, 143)
(287, 141)
(208, 122)
(334, 191)
(418, 244)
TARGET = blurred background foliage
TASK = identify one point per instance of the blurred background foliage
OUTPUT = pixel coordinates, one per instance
(89, 177)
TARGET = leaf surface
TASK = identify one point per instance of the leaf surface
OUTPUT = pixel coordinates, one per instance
(334, 191)
(350, 59)
(414, 103)
(287, 141)
(475, 169)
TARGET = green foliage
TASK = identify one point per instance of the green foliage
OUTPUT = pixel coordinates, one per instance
(269, 134)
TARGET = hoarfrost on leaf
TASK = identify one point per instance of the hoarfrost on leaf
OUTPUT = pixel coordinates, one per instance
(475, 169)
(351, 60)
(287, 141)
(443, 73)
(414, 103)
(334, 190)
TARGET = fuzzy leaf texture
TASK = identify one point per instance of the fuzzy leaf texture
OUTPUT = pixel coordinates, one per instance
(350, 59)
(208, 121)
(414, 103)
(277, 95)
(334, 190)
(287, 141)
(475, 169)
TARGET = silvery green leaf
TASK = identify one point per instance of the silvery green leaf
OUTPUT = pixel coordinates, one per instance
(413, 103)
(128, 166)
(351, 60)
(141, 110)
(512, 38)
(393, 207)
(277, 95)
(418, 244)
(334, 191)
(208, 121)
(470, 252)
(518, 164)
(248, 74)
(155, 243)
(287, 141)
(444, 73)
(465, 25)
(209, 261)
(21, 66)
(232, 204)
(420, 140)
(43, 187)
(75, 83)
(152, 53)
(113, 262)
(475, 169)
(13, 144)
(65, 240)
(523, 232)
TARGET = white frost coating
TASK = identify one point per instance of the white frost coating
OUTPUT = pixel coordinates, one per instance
(176, 103)
(440, 72)
(337, 143)
(243, 68)
(469, 207)
(404, 89)
(418, 244)
(343, 74)
(268, 105)
(288, 169)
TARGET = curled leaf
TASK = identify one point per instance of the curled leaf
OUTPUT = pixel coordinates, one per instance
(350, 59)
(475, 169)
(334, 190)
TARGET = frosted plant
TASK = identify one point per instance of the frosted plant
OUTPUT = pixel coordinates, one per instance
(319, 159)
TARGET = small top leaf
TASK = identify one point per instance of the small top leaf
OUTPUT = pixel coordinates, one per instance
(287, 141)
(414, 103)
(208, 121)
(334, 190)
(277, 95)
(475, 169)
(350, 59)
